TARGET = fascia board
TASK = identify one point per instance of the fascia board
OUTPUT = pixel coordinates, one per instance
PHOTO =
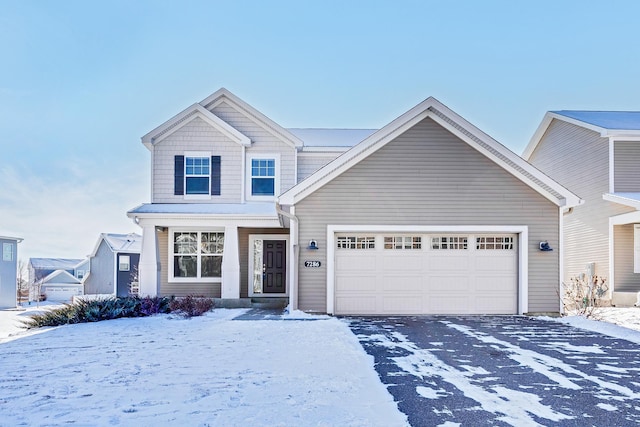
(223, 95)
(17, 239)
(97, 246)
(621, 200)
(537, 136)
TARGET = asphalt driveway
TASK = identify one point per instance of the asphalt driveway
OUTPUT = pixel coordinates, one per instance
(503, 370)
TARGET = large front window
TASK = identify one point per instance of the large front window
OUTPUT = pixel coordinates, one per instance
(197, 254)
(196, 175)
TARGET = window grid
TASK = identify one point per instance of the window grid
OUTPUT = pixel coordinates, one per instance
(449, 242)
(196, 175)
(494, 242)
(263, 177)
(356, 242)
(198, 254)
(402, 242)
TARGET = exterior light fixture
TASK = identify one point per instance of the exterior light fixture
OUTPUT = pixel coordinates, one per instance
(544, 247)
(313, 245)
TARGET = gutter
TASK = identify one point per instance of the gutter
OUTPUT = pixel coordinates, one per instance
(295, 250)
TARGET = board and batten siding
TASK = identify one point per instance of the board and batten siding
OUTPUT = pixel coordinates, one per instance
(100, 280)
(578, 158)
(626, 166)
(262, 141)
(427, 176)
(182, 289)
(308, 163)
(197, 135)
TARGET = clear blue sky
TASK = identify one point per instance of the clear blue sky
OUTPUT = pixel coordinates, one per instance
(82, 81)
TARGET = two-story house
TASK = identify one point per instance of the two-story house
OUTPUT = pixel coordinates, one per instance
(426, 215)
(8, 271)
(114, 265)
(596, 154)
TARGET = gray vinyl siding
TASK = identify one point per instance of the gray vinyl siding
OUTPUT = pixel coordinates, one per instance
(243, 245)
(427, 176)
(626, 166)
(197, 135)
(626, 279)
(308, 163)
(578, 158)
(100, 281)
(8, 269)
(262, 141)
(182, 289)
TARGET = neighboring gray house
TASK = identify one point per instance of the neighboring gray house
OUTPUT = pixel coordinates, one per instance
(114, 265)
(39, 268)
(428, 215)
(8, 271)
(596, 154)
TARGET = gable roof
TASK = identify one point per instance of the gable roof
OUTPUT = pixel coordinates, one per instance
(435, 110)
(61, 276)
(54, 263)
(17, 239)
(131, 242)
(609, 124)
(185, 117)
(223, 95)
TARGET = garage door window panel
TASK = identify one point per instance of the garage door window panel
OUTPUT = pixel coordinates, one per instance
(356, 242)
(402, 242)
(449, 243)
(494, 243)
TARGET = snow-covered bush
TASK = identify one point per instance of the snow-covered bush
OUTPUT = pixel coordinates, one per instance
(583, 295)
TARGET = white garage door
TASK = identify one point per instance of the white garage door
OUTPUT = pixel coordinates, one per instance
(426, 274)
(61, 293)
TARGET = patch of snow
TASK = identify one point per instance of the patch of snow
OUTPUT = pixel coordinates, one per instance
(607, 407)
(429, 393)
(566, 348)
(449, 424)
(300, 315)
(475, 370)
(606, 327)
(208, 370)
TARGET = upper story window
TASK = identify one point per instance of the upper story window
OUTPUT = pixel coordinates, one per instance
(263, 172)
(197, 175)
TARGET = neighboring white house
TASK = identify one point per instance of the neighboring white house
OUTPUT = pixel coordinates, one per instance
(60, 286)
(426, 215)
(8, 271)
(45, 278)
(114, 264)
(596, 154)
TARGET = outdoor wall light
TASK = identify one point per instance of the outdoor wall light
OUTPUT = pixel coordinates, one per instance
(544, 246)
(313, 245)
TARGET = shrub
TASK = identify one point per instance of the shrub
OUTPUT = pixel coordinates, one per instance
(191, 305)
(583, 295)
(101, 309)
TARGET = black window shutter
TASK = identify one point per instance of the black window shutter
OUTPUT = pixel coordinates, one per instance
(178, 183)
(215, 175)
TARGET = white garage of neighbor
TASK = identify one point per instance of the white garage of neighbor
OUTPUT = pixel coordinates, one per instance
(426, 271)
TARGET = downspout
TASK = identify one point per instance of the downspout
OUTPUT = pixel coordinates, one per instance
(293, 270)
(568, 211)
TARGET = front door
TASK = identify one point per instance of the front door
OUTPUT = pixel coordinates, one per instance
(274, 267)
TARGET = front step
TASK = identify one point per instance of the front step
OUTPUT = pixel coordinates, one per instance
(275, 303)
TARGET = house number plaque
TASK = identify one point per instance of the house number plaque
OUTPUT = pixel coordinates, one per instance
(314, 264)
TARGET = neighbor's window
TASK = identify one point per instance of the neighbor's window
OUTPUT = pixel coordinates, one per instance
(124, 263)
(449, 242)
(263, 177)
(196, 175)
(7, 251)
(197, 254)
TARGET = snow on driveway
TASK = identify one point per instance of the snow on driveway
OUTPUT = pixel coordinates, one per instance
(208, 370)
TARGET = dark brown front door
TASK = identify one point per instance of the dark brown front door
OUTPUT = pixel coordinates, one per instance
(274, 269)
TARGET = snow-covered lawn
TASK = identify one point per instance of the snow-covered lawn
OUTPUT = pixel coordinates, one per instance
(208, 370)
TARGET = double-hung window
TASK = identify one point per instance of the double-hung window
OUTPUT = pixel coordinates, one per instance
(196, 175)
(262, 176)
(197, 254)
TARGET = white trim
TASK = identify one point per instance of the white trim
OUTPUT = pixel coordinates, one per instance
(636, 248)
(433, 109)
(186, 116)
(248, 176)
(622, 200)
(252, 239)
(170, 254)
(561, 214)
(243, 190)
(523, 250)
(611, 256)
